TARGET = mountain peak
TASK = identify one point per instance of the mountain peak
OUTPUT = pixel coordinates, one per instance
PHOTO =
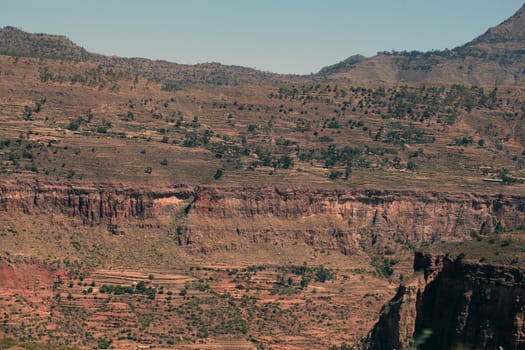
(494, 58)
(14, 41)
(512, 29)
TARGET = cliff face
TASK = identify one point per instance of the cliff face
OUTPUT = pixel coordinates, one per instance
(396, 326)
(478, 306)
(92, 204)
(217, 217)
(369, 218)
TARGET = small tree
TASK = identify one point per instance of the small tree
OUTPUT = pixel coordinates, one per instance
(103, 343)
(322, 274)
(304, 282)
(141, 286)
(348, 172)
(218, 173)
(334, 175)
(74, 124)
(28, 113)
(285, 162)
(129, 116)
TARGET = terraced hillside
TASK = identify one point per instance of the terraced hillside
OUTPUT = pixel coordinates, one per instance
(154, 205)
(56, 127)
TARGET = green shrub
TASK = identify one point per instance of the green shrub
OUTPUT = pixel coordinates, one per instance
(335, 174)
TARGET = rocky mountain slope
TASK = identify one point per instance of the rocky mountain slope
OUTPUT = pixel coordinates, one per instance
(456, 303)
(14, 41)
(494, 58)
(503, 41)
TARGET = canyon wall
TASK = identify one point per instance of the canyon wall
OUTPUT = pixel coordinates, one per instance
(345, 218)
(91, 203)
(216, 217)
(457, 304)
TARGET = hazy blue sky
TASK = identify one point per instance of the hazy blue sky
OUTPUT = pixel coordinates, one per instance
(284, 36)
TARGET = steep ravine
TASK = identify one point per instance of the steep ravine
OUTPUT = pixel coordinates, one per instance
(464, 304)
(222, 217)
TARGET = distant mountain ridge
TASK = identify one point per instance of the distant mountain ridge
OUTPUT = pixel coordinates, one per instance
(14, 41)
(495, 58)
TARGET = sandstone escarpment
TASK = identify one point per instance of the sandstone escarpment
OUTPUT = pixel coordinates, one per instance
(478, 306)
(221, 217)
(92, 204)
(349, 217)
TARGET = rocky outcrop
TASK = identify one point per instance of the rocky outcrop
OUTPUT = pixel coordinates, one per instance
(218, 217)
(92, 204)
(459, 303)
(396, 327)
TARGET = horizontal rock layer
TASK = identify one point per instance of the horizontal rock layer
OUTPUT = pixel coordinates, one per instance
(338, 218)
(369, 215)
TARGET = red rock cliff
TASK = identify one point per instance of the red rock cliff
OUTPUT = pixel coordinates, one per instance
(221, 216)
(463, 304)
(368, 217)
(91, 203)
